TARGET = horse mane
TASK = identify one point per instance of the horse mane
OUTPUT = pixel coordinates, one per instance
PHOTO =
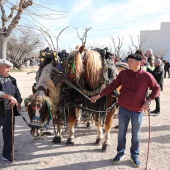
(46, 82)
(88, 65)
(42, 95)
(93, 69)
(76, 56)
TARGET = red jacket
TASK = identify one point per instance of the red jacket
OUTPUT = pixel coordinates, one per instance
(134, 89)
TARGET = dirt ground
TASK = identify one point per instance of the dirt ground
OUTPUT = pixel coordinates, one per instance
(36, 154)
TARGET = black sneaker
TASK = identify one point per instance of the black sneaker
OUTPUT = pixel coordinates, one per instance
(135, 162)
(118, 157)
(153, 111)
(9, 160)
(156, 113)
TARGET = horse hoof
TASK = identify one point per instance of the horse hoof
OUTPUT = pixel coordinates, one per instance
(116, 127)
(34, 132)
(105, 147)
(78, 122)
(56, 139)
(88, 125)
(47, 134)
(98, 142)
(70, 141)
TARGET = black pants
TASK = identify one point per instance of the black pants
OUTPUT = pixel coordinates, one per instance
(166, 71)
(6, 123)
(157, 101)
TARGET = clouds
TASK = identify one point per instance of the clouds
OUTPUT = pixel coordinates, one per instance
(107, 18)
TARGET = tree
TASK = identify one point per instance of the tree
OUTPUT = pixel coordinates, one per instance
(57, 39)
(21, 46)
(10, 22)
(118, 47)
(161, 53)
(139, 43)
(84, 36)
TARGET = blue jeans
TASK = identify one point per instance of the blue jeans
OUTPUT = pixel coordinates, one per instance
(136, 121)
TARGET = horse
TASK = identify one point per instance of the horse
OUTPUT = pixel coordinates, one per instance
(43, 103)
(88, 70)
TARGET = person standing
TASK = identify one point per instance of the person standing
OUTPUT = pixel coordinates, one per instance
(150, 56)
(166, 68)
(159, 76)
(144, 61)
(9, 97)
(132, 103)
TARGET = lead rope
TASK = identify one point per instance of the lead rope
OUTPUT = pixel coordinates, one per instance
(147, 158)
(69, 83)
(12, 134)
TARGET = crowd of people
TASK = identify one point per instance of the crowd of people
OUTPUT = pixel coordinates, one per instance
(139, 88)
(29, 61)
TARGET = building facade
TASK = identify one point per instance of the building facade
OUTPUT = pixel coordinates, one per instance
(157, 40)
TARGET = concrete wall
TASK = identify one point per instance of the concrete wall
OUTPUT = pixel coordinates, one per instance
(157, 40)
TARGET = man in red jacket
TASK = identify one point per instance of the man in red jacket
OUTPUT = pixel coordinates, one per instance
(133, 102)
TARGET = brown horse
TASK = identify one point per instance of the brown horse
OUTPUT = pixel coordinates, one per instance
(88, 70)
(43, 104)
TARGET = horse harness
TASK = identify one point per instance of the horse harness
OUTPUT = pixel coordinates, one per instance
(83, 92)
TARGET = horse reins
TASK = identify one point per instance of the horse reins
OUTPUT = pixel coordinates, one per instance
(69, 83)
(73, 86)
(77, 89)
(73, 104)
(147, 158)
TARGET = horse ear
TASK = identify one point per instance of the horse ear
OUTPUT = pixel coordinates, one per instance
(47, 92)
(34, 90)
(27, 103)
(81, 49)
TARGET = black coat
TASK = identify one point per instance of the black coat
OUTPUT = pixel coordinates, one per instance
(158, 75)
(17, 95)
(166, 66)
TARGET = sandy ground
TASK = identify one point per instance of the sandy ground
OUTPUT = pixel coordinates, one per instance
(36, 154)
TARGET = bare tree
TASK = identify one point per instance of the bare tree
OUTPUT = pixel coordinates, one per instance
(21, 46)
(140, 42)
(57, 39)
(161, 53)
(44, 34)
(117, 48)
(17, 11)
(10, 22)
(135, 46)
(47, 33)
(95, 45)
(49, 36)
(130, 49)
(84, 37)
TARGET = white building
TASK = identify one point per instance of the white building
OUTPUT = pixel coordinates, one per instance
(157, 40)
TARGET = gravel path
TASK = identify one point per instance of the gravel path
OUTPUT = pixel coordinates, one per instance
(36, 154)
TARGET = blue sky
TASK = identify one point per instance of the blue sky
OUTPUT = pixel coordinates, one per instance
(106, 18)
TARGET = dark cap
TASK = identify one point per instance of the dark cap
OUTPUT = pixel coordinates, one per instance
(139, 52)
(135, 56)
